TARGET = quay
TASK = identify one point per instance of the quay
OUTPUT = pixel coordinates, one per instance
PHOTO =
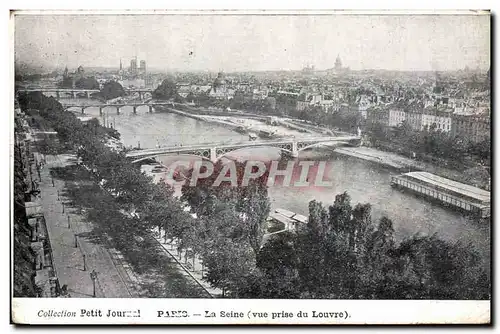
(454, 194)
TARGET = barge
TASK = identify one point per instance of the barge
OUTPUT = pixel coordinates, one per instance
(457, 195)
(266, 134)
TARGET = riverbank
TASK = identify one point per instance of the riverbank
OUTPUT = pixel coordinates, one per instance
(253, 124)
(403, 164)
(383, 158)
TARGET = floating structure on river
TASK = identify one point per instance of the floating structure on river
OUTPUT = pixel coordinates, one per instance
(451, 193)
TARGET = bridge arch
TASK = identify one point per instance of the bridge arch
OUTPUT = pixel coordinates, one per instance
(221, 153)
(170, 154)
(331, 144)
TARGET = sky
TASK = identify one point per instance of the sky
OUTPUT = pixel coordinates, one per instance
(255, 42)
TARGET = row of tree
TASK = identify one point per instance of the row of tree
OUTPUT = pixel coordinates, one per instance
(340, 253)
(80, 83)
(24, 257)
(431, 141)
(342, 119)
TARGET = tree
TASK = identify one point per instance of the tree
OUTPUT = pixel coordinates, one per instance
(277, 260)
(375, 262)
(436, 269)
(112, 90)
(87, 83)
(166, 90)
(23, 257)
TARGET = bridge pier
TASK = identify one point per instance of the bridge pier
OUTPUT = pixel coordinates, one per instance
(295, 150)
(141, 96)
(213, 154)
(100, 111)
(134, 108)
(150, 109)
(73, 94)
(58, 95)
(83, 110)
(118, 110)
(87, 93)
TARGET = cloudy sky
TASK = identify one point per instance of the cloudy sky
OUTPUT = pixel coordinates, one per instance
(251, 42)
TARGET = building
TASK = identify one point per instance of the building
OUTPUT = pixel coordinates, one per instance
(378, 114)
(471, 126)
(396, 115)
(302, 105)
(363, 103)
(338, 64)
(308, 69)
(220, 89)
(260, 94)
(132, 83)
(133, 66)
(70, 80)
(318, 100)
(142, 67)
(184, 90)
(337, 67)
(440, 117)
(414, 114)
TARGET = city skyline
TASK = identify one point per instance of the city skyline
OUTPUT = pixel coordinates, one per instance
(255, 43)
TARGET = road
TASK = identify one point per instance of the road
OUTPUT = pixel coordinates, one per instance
(112, 280)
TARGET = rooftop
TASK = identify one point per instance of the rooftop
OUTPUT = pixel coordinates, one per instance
(453, 186)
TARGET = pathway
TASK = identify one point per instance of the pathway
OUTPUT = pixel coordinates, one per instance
(68, 251)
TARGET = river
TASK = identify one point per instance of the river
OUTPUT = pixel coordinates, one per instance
(365, 182)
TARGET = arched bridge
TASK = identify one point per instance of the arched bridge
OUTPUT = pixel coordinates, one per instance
(61, 91)
(75, 92)
(216, 151)
(119, 105)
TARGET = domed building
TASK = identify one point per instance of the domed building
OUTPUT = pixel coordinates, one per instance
(78, 79)
(338, 64)
(219, 82)
(338, 68)
(220, 89)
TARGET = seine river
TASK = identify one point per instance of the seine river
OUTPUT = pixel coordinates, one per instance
(365, 182)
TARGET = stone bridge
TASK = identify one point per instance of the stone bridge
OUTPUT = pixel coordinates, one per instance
(119, 105)
(75, 92)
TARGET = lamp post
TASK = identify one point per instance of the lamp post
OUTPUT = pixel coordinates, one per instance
(413, 157)
(93, 277)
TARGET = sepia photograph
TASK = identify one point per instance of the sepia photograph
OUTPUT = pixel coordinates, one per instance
(234, 166)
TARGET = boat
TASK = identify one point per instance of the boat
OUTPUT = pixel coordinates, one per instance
(451, 193)
(241, 129)
(266, 134)
(159, 169)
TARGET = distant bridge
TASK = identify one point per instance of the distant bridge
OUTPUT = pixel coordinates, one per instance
(61, 91)
(118, 105)
(215, 151)
(74, 92)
